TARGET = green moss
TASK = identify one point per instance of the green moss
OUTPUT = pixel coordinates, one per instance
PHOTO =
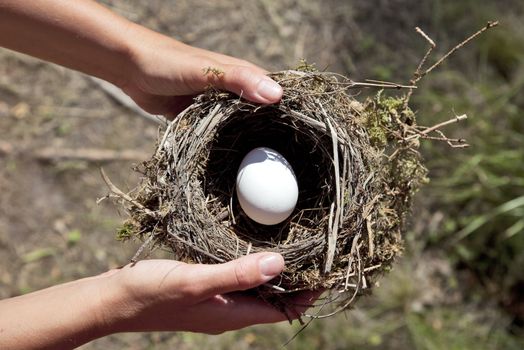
(126, 232)
(402, 169)
(398, 168)
(303, 66)
(383, 117)
(408, 168)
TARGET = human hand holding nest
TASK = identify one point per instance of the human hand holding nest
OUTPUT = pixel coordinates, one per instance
(166, 74)
(158, 72)
(167, 295)
(151, 295)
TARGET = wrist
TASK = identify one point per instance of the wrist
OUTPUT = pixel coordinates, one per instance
(138, 44)
(113, 305)
(146, 50)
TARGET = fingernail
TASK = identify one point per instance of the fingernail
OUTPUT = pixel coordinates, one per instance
(269, 90)
(271, 265)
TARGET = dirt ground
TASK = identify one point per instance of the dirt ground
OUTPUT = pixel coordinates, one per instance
(51, 228)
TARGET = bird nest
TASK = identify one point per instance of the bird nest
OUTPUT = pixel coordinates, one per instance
(355, 164)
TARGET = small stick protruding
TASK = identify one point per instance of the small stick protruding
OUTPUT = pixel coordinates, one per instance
(116, 191)
(456, 119)
(416, 75)
(489, 25)
(419, 74)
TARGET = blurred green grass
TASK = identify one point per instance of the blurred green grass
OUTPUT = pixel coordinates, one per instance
(481, 190)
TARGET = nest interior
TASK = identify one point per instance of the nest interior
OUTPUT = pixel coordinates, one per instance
(304, 147)
(356, 169)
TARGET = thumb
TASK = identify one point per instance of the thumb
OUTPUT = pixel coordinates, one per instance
(247, 272)
(247, 82)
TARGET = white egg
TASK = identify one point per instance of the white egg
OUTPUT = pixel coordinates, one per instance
(266, 186)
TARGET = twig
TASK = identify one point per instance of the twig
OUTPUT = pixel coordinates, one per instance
(333, 221)
(438, 126)
(423, 134)
(89, 154)
(371, 238)
(428, 39)
(489, 25)
(355, 292)
(450, 141)
(382, 85)
(367, 269)
(416, 75)
(451, 121)
(144, 245)
(272, 286)
(83, 154)
(126, 101)
(455, 143)
(115, 190)
(366, 215)
(194, 247)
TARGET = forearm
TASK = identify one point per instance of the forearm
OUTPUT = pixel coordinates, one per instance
(160, 295)
(61, 317)
(159, 73)
(79, 34)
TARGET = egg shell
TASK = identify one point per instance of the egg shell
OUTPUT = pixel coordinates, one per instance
(267, 187)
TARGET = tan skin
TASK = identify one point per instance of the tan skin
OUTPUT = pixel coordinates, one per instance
(161, 75)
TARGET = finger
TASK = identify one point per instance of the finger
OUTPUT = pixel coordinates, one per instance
(251, 83)
(216, 315)
(305, 299)
(206, 281)
(241, 311)
(248, 83)
(299, 303)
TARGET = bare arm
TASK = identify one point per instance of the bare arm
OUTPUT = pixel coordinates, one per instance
(77, 34)
(60, 317)
(161, 295)
(157, 71)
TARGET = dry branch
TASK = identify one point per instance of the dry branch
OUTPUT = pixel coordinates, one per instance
(89, 154)
(126, 101)
(56, 154)
(489, 25)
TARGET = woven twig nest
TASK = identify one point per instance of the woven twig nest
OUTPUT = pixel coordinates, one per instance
(356, 169)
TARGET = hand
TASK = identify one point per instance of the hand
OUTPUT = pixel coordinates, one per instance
(158, 72)
(151, 295)
(168, 295)
(166, 74)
